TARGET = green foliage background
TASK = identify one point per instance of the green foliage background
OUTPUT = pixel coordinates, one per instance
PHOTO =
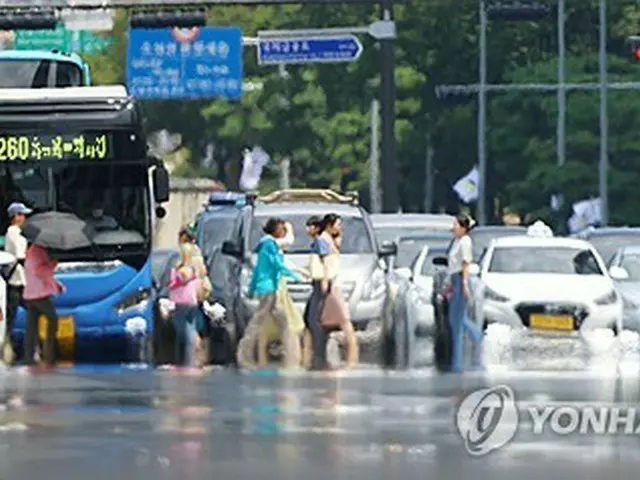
(319, 116)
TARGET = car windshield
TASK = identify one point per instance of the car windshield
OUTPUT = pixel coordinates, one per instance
(112, 197)
(608, 245)
(557, 260)
(631, 263)
(428, 268)
(481, 238)
(214, 231)
(408, 250)
(355, 236)
(391, 233)
(28, 73)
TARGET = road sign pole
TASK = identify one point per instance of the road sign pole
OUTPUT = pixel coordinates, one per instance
(390, 201)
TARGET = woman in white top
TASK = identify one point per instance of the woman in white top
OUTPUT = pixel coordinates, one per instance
(460, 257)
(335, 314)
(16, 245)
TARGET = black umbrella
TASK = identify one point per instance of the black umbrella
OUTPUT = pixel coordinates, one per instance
(58, 231)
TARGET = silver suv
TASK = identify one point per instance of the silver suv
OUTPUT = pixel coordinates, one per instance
(363, 273)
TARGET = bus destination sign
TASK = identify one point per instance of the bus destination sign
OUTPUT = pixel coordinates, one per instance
(34, 147)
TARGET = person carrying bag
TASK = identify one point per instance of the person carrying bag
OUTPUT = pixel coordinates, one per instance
(183, 292)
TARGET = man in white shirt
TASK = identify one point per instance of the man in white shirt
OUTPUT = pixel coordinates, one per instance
(15, 244)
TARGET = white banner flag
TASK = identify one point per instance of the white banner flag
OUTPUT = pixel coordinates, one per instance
(467, 186)
(585, 213)
(253, 163)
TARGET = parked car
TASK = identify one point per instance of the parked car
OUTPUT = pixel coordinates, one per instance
(554, 284)
(625, 266)
(608, 240)
(389, 226)
(365, 283)
(481, 236)
(213, 226)
(410, 247)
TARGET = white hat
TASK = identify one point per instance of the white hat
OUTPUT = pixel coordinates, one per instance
(17, 208)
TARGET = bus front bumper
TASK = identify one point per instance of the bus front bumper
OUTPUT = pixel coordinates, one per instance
(97, 334)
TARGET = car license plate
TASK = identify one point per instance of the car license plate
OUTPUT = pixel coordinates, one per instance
(551, 322)
(65, 335)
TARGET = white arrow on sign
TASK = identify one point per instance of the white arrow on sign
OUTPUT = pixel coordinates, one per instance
(92, 20)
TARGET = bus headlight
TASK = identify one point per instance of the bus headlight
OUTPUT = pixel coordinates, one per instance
(137, 300)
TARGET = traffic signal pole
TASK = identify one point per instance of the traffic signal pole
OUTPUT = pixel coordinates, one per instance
(388, 167)
(560, 88)
(562, 93)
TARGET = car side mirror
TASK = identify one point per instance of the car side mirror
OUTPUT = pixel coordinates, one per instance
(440, 261)
(160, 184)
(232, 249)
(388, 249)
(474, 269)
(618, 273)
(161, 212)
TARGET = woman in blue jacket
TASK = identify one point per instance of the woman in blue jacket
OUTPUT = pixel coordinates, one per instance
(265, 283)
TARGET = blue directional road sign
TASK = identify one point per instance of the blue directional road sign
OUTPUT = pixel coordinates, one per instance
(332, 49)
(185, 63)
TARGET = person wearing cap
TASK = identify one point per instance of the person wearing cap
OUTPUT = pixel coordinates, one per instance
(16, 245)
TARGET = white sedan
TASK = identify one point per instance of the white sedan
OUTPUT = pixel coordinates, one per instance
(539, 285)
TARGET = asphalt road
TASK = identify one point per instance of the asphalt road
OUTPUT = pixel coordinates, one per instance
(116, 422)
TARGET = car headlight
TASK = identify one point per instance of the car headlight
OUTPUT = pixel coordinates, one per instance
(607, 299)
(136, 300)
(629, 304)
(375, 286)
(490, 294)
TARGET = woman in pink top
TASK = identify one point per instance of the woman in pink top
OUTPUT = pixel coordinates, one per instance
(183, 291)
(41, 286)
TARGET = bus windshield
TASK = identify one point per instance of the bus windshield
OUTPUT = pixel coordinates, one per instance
(30, 73)
(104, 183)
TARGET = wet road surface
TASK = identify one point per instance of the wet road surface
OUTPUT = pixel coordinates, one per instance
(126, 423)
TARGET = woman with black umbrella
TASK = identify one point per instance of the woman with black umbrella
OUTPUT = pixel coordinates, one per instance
(41, 287)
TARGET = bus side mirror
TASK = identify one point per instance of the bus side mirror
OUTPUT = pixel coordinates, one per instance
(160, 184)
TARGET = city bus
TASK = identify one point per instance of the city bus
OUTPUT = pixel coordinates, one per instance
(83, 151)
(42, 69)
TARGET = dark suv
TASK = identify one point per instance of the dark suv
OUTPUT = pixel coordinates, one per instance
(363, 273)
